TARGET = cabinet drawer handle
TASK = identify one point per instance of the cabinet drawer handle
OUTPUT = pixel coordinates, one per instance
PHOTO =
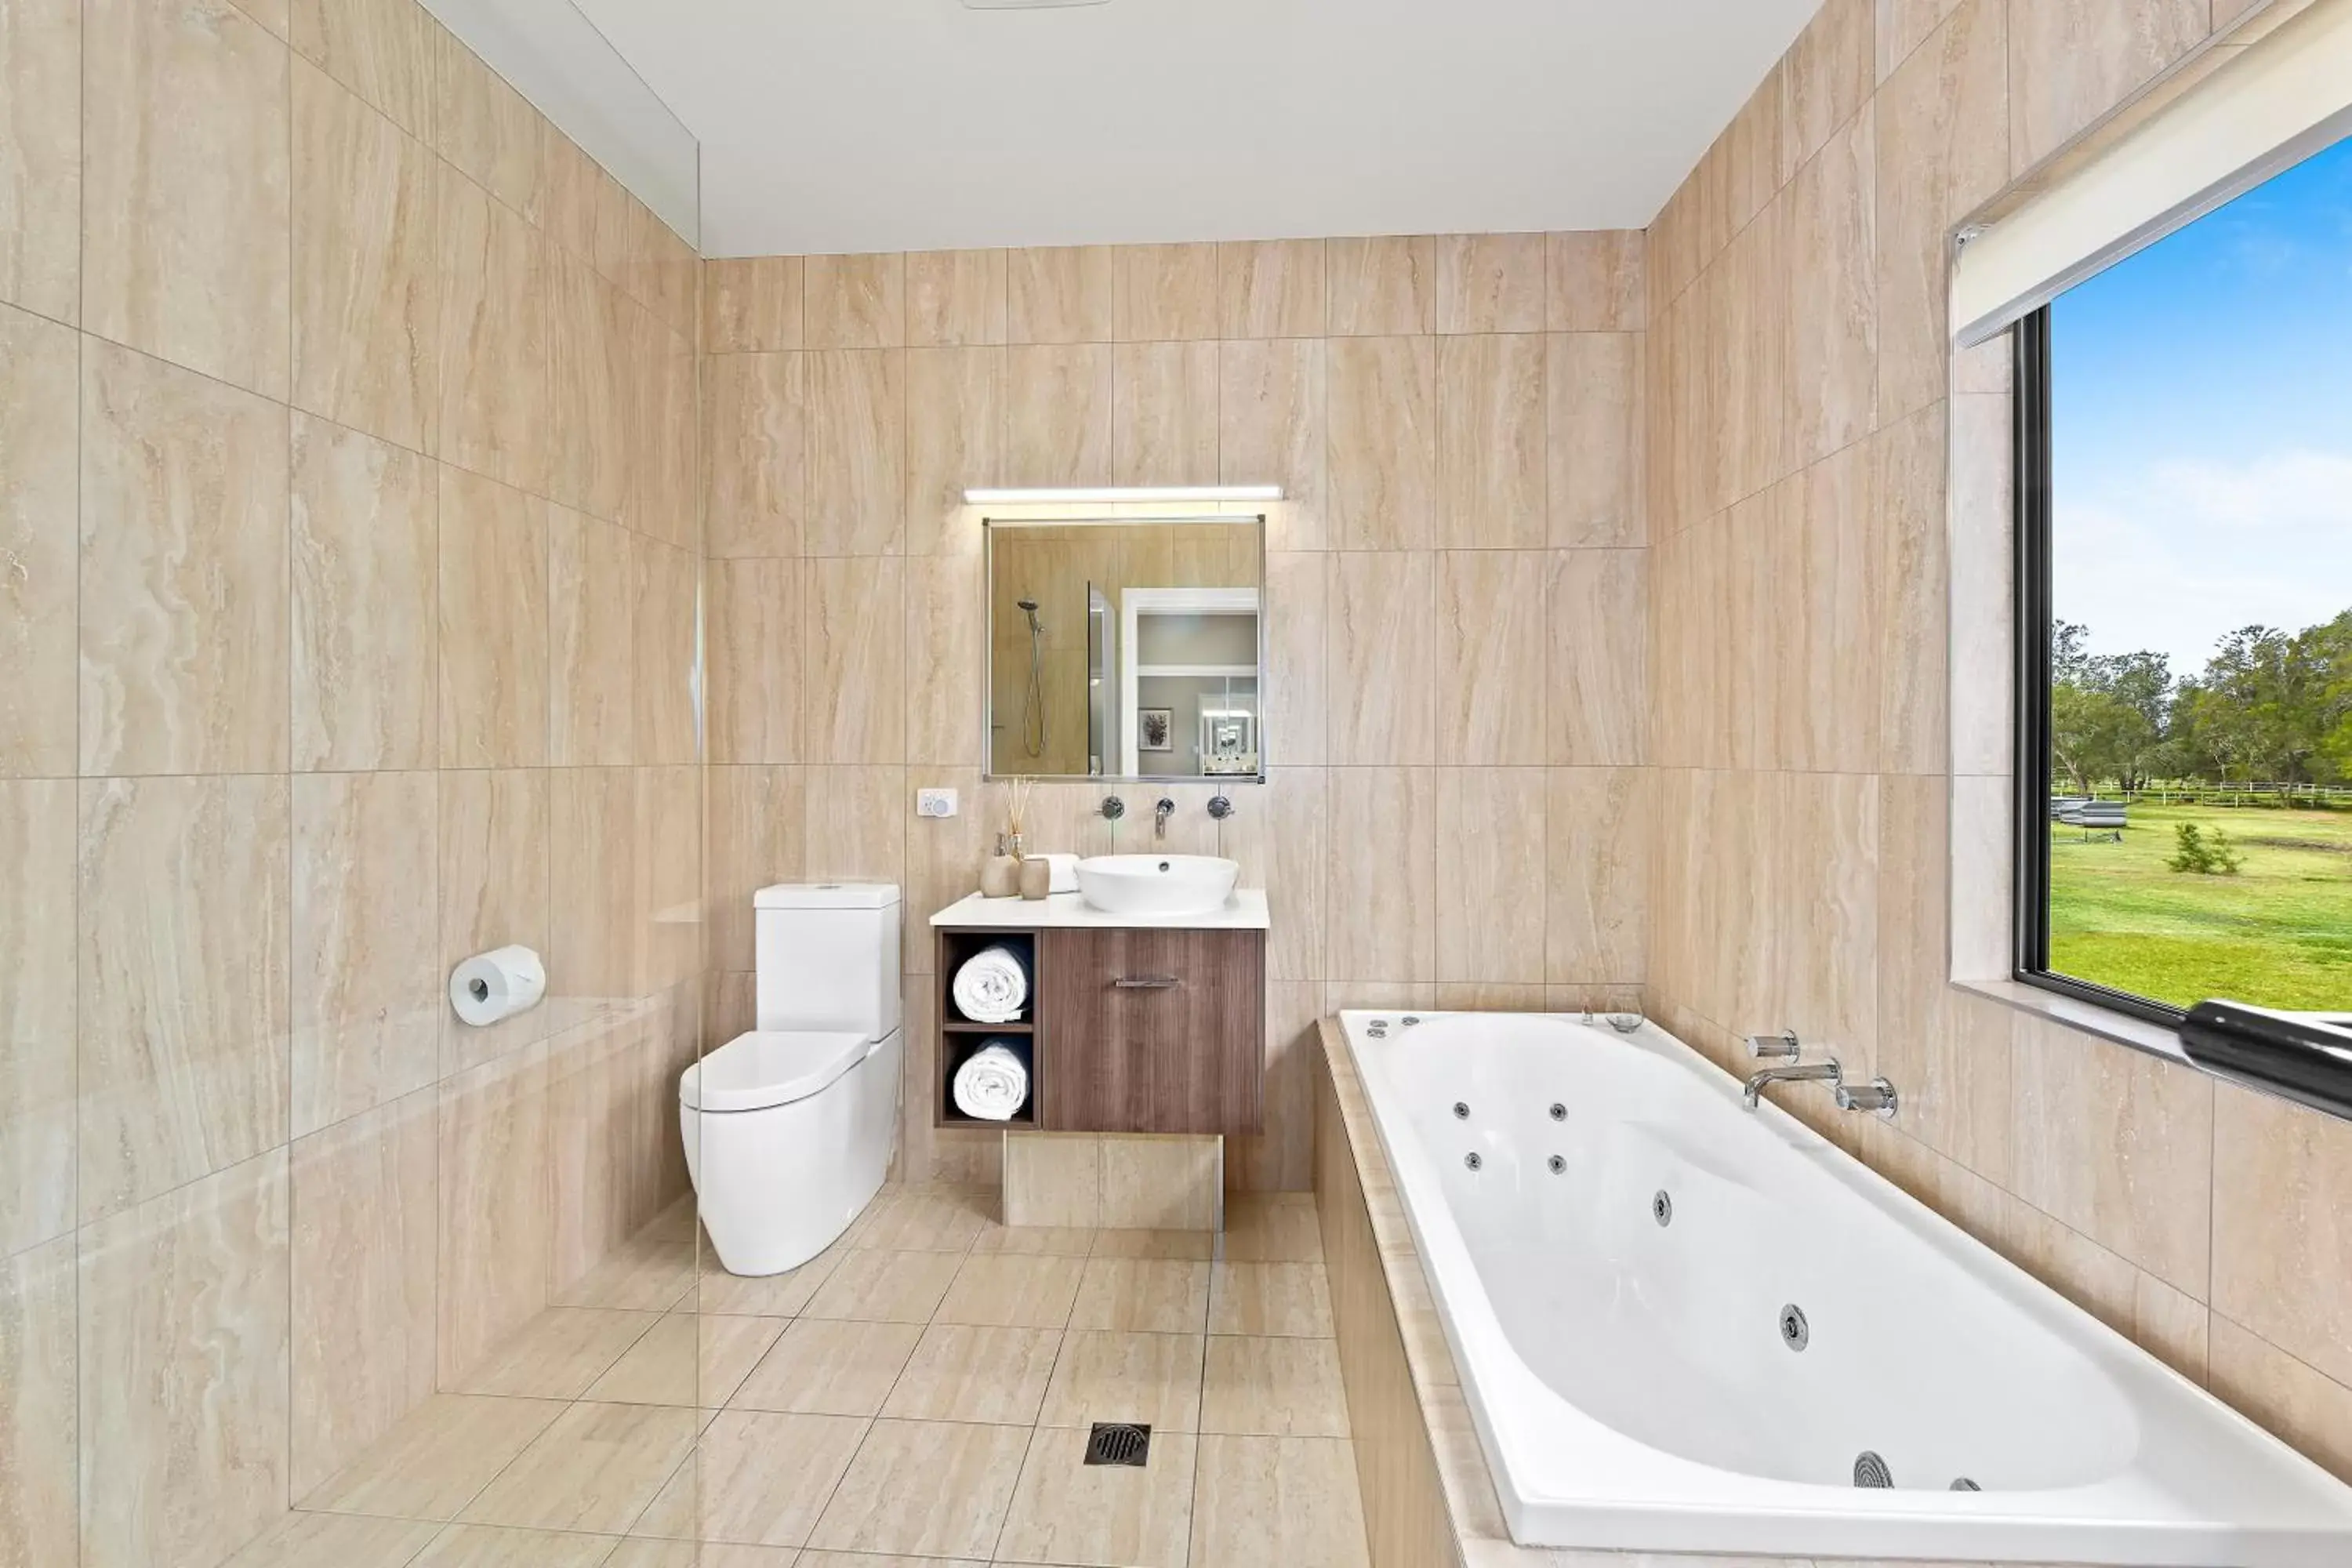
(1146, 983)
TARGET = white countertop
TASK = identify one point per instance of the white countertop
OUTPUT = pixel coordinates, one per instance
(1245, 911)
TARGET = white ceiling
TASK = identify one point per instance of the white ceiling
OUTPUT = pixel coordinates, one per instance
(857, 125)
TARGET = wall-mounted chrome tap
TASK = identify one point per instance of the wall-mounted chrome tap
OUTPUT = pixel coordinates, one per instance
(1159, 815)
(1877, 1097)
(1827, 1072)
(1112, 808)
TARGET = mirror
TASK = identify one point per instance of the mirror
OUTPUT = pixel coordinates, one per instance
(1122, 648)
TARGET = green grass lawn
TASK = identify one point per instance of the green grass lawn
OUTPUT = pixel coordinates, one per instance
(2278, 933)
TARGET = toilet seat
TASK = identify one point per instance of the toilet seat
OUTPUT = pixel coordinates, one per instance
(768, 1067)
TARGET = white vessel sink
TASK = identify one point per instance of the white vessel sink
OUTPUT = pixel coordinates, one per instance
(1169, 885)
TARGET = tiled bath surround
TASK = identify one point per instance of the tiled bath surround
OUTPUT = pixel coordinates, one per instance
(347, 595)
(1811, 441)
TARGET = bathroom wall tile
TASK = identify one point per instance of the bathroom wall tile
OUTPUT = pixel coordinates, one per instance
(1902, 26)
(38, 532)
(1382, 879)
(381, 49)
(39, 1495)
(183, 571)
(945, 630)
(1831, 666)
(1491, 442)
(1833, 359)
(40, 160)
(493, 343)
(658, 475)
(1271, 427)
(1052, 1180)
(2283, 1219)
(856, 414)
(588, 392)
(1491, 282)
(2309, 1410)
(184, 981)
(1828, 73)
(1598, 824)
(496, 1207)
(1381, 646)
(610, 1105)
(1593, 394)
(955, 297)
(667, 583)
(1491, 654)
(855, 610)
(856, 825)
(1057, 418)
(753, 305)
(367, 992)
(1914, 574)
(1599, 701)
(668, 845)
(366, 266)
(485, 128)
(38, 1087)
(1594, 281)
(2118, 1145)
(592, 660)
(577, 198)
(755, 629)
(364, 1211)
(494, 634)
(184, 206)
(1272, 289)
(955, 439)
(1065, 1510)
(856, 301)
(1160, 292)
(1491, 874)
(1061, 295)
(494, 857)
(1163, 1183)
(1279, 834)
(184, 1344)
(365, 601)
(2068, 65)
(594, 893)
(1981, 597)
(1164, 414)
(1383, 443)
(1382, 287)
(1297, 593)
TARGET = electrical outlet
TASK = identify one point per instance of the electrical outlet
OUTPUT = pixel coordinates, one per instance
(935, 803)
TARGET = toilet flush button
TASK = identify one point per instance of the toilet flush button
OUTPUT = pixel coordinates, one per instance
(935, 803)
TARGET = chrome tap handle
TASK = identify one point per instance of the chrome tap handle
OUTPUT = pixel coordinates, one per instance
(1877, 1097)
(1783, 1047)
(1112, 808)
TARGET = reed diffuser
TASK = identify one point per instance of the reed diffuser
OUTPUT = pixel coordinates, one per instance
(1000, 875)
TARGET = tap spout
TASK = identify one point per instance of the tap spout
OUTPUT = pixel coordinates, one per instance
(1827, 1072)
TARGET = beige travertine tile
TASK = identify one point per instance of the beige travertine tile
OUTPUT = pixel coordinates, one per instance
(1491, 442)
(183, 571)
(495, 850)
(856, 660)
(955, 297)
(659, 482)
(1271, 1228)
(1013, 1289)
(1057, 1241)
(493, 624)
(336, 1540)
(1381, 652)
(651, 1271)
(595, 1469)
(932, 1489)
(1155, 1295)
(579, 200)
(363, 1206)
(365, 590)
(1153, 1378)
(687, 1358)
(910, 1221)
(691, 1555)
(596, 891)
(1914, 574)
(1491, 282)
(1057, 415)
(756, 631)
(494, 283)
(184, 981)
(1598, 827)
(1275, 1298)
(1594, 388)
(1194, 1246)
(857, 824)
(497, 1206)
(2282, 1219)
(1599, 702)
(886, 1287)
(39, 1495)
(1491, 874)
(185, 187)
(40, 160)
(856, 301)
(1058, 295)
(1277, 1499)
(498, 1546)
(1272, 289)
(1297, 677)
(589, 404)
(1594, 281)
(1492, 642)
(485, 128)
(381, 49)
(955, 440)
(1834, 355)
(2308, 1409)
(366, 268)
(1052, 1180)
(1383, 443)
(590, 629)
(1272, 419)
(1382, 879)
(556, 1355)
(434, 1460)
(668, 584)
(38, 532)
(1274, 1387)
(1151, 1183)
(830, 1368)
(368, 992)
(756, 816)
(946, 626)
(1162, 292)
(37, 1002)
(752, 306)
(855, 408)
(1066, 1511)
(966, 1372)
(1164, 414)
(2068, 65)
(183, 1305)
(1382, 287)
(755, 473)
(755, 1478)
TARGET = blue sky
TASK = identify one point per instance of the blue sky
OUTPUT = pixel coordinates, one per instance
(2202, 425)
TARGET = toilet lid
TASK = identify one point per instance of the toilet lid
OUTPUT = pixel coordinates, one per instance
(767, 1067)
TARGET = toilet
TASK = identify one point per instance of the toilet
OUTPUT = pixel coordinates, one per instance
(790, 1128)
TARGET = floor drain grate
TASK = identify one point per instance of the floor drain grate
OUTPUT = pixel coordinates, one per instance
(1119, 1443)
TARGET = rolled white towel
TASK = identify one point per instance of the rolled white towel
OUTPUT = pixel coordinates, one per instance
(993, 1084)
(993, 987)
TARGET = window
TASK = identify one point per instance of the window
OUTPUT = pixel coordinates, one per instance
(2184, 451)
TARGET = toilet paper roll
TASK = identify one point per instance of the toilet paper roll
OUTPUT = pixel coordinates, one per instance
(496, 985)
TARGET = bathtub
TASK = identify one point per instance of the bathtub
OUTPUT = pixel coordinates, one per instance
(1682, 1327)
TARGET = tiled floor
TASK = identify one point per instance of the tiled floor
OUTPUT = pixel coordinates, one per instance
(917, 1397)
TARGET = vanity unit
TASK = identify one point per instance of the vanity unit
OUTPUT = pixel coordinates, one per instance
(1135, 1022)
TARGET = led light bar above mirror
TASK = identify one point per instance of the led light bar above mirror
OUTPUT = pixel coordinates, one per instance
(1118, 495)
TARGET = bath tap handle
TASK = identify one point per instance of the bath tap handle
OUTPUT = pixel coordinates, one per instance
(1783, 1047)
(1877, 1096)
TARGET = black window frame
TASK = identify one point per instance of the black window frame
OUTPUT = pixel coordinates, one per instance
(2035, 604)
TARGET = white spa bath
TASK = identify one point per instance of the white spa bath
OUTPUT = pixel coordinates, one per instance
(1631, 1381)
